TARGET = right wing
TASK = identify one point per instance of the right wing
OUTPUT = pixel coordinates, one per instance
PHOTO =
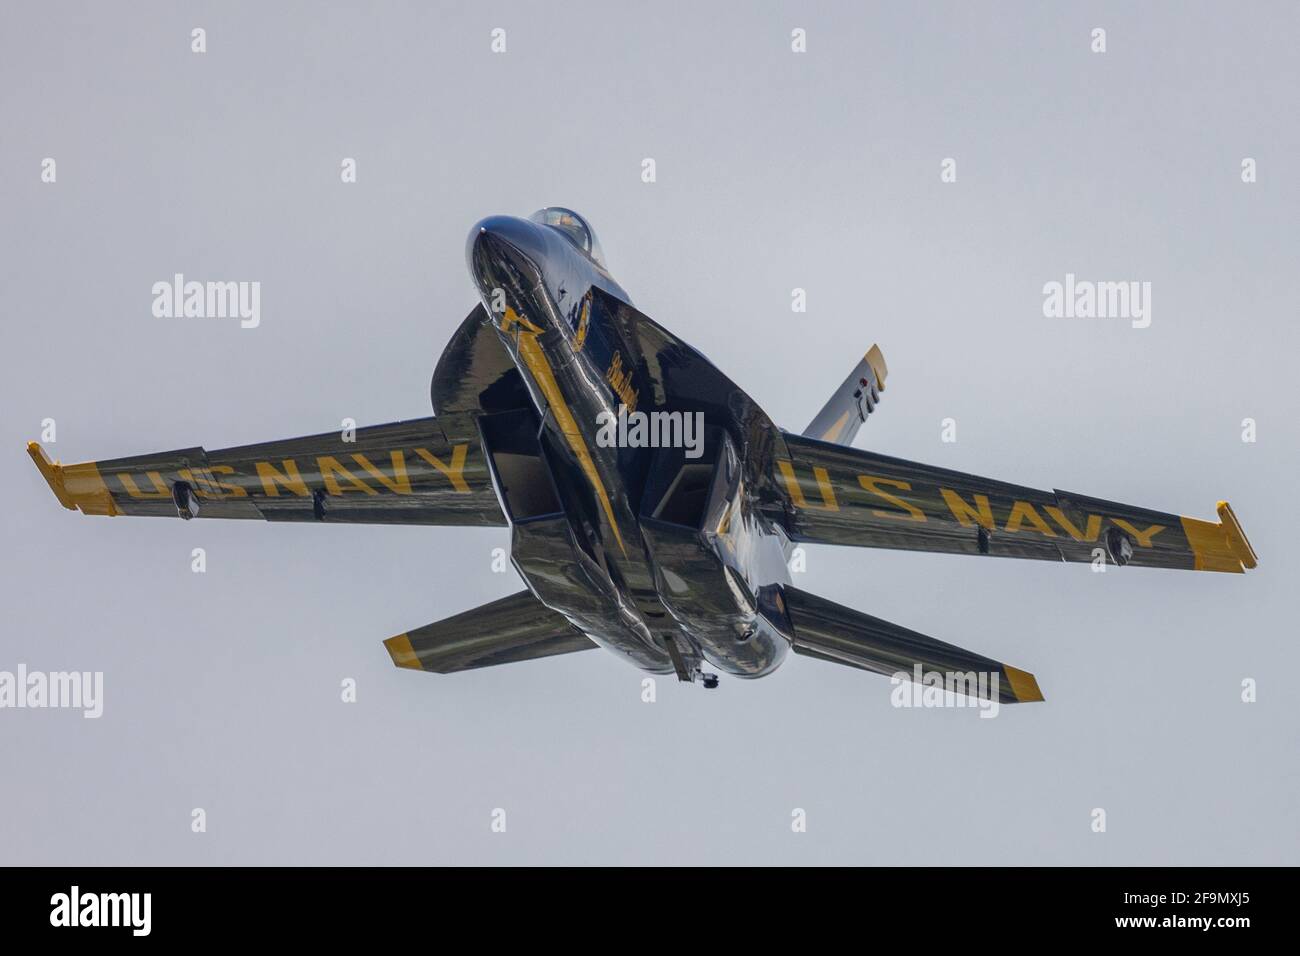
(401, 473)
(836, 495)
(515, 628)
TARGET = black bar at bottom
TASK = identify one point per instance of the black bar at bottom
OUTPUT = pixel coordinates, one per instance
(1019, 906)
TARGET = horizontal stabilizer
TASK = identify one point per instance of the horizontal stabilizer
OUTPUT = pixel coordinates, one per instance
(515, 628)
(832, 632)
(855, 399)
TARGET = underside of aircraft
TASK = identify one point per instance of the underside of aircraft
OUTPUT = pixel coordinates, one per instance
(671, 554)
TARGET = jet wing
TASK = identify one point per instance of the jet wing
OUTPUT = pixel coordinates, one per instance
(832, 632)
(411, 472)
(515, 628)
(831, 494)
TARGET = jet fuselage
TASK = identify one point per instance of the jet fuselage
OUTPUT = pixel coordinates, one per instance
(665, 594)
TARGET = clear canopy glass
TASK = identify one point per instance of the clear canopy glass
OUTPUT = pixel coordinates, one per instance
(576, 229)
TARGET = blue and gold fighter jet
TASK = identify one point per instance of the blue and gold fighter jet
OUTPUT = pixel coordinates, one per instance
(652, 504)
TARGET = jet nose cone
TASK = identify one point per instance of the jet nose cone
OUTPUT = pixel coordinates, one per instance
(495, 240)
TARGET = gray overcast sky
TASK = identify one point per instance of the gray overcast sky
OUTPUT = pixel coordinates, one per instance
(775, 171)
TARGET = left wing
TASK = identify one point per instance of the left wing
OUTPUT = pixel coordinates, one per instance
(835, 495)
(401, 473)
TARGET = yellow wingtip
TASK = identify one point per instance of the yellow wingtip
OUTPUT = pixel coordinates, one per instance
(1023, 684)
(402, 653)
(1220, 546)
(52, 472)
(1237, 541)
(78, 486)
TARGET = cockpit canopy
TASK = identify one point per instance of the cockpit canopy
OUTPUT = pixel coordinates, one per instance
(576, 229)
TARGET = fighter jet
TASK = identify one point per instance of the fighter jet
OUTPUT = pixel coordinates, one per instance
(652, 504)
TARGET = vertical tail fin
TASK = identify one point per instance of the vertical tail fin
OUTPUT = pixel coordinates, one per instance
(851, 403)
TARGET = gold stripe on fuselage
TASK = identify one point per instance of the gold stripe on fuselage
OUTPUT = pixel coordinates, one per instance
(531, 352)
